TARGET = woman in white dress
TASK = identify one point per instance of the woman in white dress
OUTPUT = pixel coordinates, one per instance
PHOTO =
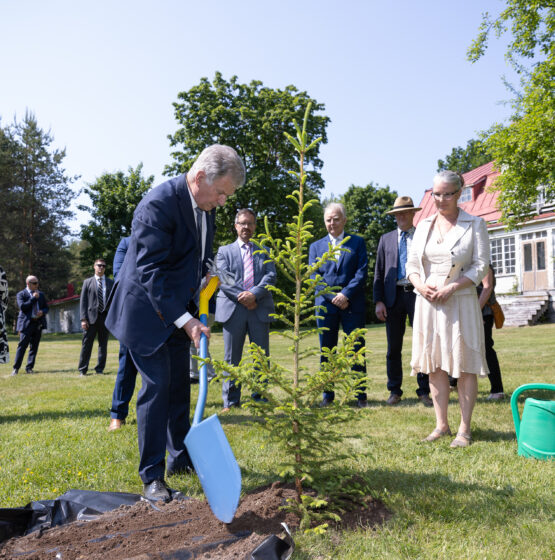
(449, 257)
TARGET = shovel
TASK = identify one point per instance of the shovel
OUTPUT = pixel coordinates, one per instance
(208, 447)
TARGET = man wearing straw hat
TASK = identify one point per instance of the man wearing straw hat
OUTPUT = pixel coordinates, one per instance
(394, 297)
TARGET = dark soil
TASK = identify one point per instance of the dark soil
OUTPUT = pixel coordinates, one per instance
(182, 529)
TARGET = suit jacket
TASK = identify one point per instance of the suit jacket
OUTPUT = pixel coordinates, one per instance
(350, 272)
(159, 277)
(385, 273)
(89, 299)
(229, 258)
(25, 302)
(468, 243)
(119, 257)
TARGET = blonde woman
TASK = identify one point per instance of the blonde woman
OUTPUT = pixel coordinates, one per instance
(449, 257)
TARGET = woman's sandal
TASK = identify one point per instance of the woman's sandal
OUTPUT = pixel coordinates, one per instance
(461, 440)
(436, 434)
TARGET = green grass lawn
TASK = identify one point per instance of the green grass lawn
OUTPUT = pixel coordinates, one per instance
(481, 502)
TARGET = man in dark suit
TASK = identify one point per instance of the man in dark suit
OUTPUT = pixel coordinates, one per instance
(245, 306)
(347, 307)
(394, 297)
(94, 295)
(127, 370)
(30, 322)
(155, 299)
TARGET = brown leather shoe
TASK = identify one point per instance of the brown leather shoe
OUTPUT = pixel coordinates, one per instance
(426, 400)
(115, 424)
(393, 399)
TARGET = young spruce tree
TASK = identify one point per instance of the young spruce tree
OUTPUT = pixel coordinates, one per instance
(289, 409)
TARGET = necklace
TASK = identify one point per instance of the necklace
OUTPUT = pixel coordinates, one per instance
(441, 234)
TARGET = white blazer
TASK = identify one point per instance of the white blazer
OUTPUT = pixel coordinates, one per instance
(468, 243)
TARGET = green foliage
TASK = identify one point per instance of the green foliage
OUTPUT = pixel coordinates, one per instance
(524, 149)
(252, 119)
(35, 198)
(114, 197)
(366, 209)
(463, 160)
(289, 408)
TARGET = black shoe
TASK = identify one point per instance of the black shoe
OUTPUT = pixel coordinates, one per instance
(83, 374)
(29, 371)
(99, 372)
(14, 372)
(362, 403)
(325, 402)
(156, 491)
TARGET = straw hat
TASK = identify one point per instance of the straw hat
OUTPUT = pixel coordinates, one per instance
(403, 203)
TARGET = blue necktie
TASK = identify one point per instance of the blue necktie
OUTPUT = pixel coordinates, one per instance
(402, 256)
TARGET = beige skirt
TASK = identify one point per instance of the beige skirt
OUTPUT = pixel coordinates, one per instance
(448, 336)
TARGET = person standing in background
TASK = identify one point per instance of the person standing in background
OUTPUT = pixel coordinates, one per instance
(346, 308)
(94, 295)
(244, 307)
(127, 370)
(30, 323)
(449, 257)
(394, 297)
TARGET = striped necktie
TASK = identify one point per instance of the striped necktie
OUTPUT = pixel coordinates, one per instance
(100, 293)
(248, 270)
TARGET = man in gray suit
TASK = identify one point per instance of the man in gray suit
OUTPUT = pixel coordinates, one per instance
(244, 307)
(94, 296)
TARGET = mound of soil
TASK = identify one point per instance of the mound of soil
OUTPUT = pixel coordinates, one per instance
(182, 529)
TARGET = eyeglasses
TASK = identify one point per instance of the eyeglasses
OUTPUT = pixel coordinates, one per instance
(33, 282)
(100, 265)
(245, 224)
(446, 196)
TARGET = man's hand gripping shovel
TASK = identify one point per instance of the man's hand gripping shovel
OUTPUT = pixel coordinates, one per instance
(206, 442)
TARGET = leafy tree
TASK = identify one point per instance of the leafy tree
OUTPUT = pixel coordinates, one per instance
(114, 197)
(35, 197)
(252, 119)
(366, 209)
(465, 159)
(524, 149)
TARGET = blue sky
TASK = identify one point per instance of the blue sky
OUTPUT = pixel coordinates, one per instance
(393, 76)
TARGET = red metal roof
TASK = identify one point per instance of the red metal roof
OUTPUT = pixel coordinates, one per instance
(483, 203)
(63, 300)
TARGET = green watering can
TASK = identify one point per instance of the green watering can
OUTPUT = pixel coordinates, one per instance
(536, 431)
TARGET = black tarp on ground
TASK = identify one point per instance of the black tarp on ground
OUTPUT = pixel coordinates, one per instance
(86, 505)
(74, 505)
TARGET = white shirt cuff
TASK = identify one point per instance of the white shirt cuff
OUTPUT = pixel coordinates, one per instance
(180, 321)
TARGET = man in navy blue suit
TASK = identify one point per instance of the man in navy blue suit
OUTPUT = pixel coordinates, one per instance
(347, 307)
(155, 299)
(395, 298)
(127, 370)
(30, 322)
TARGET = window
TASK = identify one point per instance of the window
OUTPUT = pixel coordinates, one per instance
(466, 195)
(503, 255)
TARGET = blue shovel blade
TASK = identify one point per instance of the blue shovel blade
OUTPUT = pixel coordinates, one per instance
(216, 467)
